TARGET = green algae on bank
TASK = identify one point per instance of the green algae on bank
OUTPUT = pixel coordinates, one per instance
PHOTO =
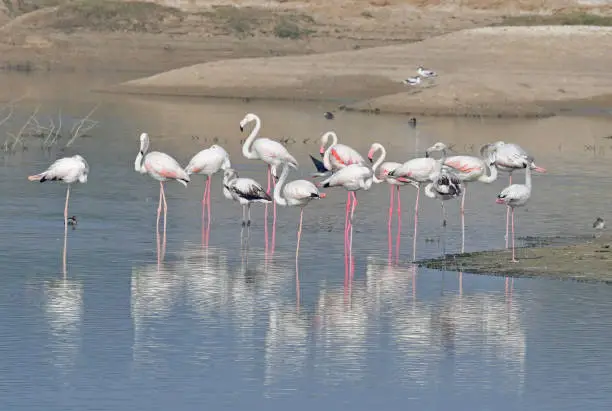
(589, 261)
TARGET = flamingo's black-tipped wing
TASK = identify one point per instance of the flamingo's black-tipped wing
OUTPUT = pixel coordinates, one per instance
(318, 164)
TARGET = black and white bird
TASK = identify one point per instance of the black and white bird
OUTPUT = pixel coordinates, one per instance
(423, 72)
(599, 224)
(244, 190)
(445, 185)
(412, 81)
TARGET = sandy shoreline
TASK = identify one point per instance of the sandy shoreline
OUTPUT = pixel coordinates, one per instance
(497, 75)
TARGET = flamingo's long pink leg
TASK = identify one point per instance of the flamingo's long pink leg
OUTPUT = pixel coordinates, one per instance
(274, 222)
(165, 211)
(299, 236)
(208, 198)
(65, 230)
(463, 219)
(508, 213)
(416, 223)
(513, 259)
(346, 220)
(351, 237)
(399, 224)
(391, 200)
(159, 207)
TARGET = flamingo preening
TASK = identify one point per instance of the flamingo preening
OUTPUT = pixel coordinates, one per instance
(67, 170)
(295, 193)
(467, 169)
(509, 157)
(162, 168)
(244, 190)
(517, 195)
(208, 162)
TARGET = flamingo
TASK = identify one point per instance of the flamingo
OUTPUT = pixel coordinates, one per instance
(509, 157)
(67, 170)
(417, 172)
(467, 169)
(337, 156)
(352, 177)
(445, 185)
(394, 185)
(162, 168)
(208, 162)
(271, 152)
(245, 191)
(295, 193)
(517, 195)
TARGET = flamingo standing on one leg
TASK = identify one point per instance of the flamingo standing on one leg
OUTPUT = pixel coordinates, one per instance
(509, 157)
(516, 195)
(295, 193)
(208, 162)
(468, 169)
(67, 170)
(394, 185)
(162, 168)
(244, 190)
(271, 152)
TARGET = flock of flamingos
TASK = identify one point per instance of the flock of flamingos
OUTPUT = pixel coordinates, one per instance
(443, 179)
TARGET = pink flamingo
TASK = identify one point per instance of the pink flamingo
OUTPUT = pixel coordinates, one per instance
(417, 172)
(295, 193)
(162, 168)
(509, 157)
(67, 170)
(244, 190)
(271, 152)
(517, 195)
(394, 185)
(467, 169)
(353, 177)
(208, 162)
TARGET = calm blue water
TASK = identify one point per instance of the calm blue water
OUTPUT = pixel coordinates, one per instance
(227, 328)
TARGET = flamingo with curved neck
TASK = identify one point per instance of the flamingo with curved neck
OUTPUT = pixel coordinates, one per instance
(295, 193)
(337, 155)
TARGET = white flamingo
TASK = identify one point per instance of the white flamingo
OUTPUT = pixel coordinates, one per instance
(394, 183)
(468, 169)
(269, 151)
(516, 195)
(208, 162)
(245, 191)
(417, 172)
(509, 157)
(67, 170)
(353, 177)
(162, 168)
(295, 193)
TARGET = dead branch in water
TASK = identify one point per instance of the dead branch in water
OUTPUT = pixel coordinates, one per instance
(83, 126)
(18, 139)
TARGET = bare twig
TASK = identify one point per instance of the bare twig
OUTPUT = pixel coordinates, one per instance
(78, 130)
(18, 136)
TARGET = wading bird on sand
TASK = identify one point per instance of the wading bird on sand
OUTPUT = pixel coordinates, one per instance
(162, 168)
(295, 193)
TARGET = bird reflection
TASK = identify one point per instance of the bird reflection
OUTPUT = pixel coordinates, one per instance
(63, 307)
(286, 343)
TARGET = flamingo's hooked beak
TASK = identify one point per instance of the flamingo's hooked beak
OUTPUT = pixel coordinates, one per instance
(370, 155)
(322, 150)
(241, 128)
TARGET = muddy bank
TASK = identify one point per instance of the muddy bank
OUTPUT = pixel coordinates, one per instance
(491, 71)
(590, 260)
